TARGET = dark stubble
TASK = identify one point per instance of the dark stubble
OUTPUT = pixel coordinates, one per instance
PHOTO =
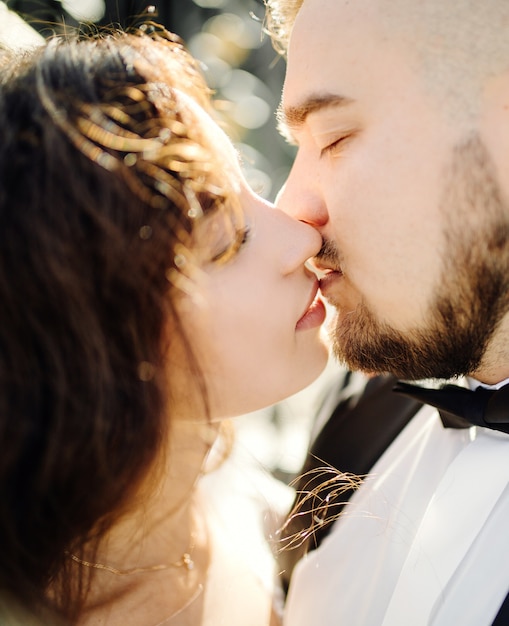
(472, 295)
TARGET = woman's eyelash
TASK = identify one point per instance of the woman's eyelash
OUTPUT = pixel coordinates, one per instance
(244, 235)
(241, 238)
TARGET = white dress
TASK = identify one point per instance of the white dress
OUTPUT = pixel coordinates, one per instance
(244, 507)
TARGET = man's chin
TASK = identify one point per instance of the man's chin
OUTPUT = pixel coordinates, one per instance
(363, 344)
(387, 355)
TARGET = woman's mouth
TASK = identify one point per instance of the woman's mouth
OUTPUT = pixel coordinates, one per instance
(315, 313)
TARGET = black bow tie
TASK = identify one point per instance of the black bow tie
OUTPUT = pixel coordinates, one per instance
(462, 408)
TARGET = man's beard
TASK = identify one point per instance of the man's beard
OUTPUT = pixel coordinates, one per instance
(474, 287)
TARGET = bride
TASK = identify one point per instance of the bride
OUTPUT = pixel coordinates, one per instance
(147, 296)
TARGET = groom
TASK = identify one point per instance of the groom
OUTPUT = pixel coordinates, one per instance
(400, 111)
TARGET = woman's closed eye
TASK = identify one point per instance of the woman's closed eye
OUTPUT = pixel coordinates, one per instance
(233, 247)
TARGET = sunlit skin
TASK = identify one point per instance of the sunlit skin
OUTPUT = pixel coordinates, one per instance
(254, 320)
(407, 195)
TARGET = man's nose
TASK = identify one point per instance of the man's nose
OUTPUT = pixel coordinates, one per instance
(300, 196)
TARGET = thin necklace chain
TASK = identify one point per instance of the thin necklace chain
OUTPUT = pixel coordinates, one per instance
(186, 561)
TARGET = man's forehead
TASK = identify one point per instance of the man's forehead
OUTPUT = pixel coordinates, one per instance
(321, 71)
(451, 48)
(324, 33)
(462, 34)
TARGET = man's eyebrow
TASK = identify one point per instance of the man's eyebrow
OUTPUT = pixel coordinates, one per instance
(293, 117)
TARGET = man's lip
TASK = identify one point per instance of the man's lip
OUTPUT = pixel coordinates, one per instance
(325, 268)
(328, 279)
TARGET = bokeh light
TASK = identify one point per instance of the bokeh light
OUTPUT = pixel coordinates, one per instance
(85, 10)
(238, 61)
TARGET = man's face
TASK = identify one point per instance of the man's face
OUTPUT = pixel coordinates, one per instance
(407, 201)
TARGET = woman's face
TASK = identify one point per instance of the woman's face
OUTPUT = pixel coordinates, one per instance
(254, 321)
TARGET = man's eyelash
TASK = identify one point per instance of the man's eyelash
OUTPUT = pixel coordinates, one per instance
(333, 146)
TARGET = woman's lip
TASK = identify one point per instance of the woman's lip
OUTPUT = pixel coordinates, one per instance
(315, 313)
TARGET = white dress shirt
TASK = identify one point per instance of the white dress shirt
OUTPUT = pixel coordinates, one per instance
(424, 541)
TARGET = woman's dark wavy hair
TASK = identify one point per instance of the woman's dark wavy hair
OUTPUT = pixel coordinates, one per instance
(103, 174)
